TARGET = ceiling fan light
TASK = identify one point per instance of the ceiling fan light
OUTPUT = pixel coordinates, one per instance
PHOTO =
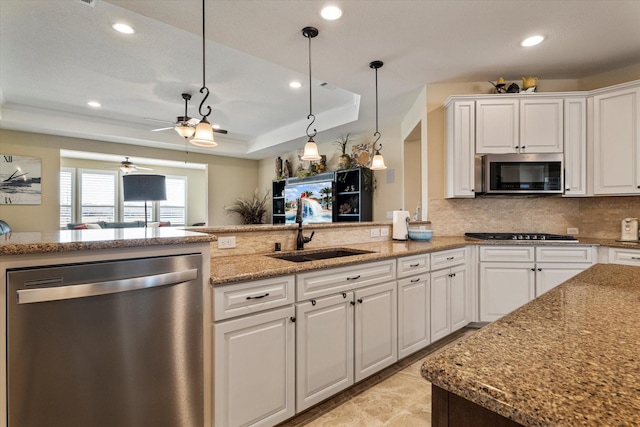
(203, 136)
(127, 169)
(185, 131)
(377, 163)
(311, 151)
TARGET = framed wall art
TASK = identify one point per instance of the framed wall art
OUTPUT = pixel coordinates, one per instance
(20, 180)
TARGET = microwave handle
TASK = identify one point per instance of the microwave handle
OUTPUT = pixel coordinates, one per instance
(564, 179)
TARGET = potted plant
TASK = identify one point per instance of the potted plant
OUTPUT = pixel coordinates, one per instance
(251, 210)
(344, 162)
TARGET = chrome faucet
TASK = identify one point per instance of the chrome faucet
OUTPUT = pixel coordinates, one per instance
(300, 239)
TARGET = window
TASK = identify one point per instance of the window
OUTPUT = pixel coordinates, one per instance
(67, 184)
(174, 209)
(97, 195)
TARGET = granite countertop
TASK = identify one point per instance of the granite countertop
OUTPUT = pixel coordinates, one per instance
(570, 357)
(36, 242)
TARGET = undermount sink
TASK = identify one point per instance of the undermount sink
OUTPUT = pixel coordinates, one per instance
(319, 255)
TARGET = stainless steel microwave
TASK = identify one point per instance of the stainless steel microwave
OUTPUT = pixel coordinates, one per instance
(522, 174)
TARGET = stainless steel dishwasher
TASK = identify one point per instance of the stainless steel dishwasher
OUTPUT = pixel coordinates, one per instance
(105, 344)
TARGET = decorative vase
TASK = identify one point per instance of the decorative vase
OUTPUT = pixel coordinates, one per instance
(344, 162)
(278, 168)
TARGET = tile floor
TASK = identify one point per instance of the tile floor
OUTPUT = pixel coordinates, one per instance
(398, 396)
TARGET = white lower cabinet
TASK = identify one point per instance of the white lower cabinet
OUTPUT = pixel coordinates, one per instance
(511, 276)
(324, 348)
(254, 369)
(414, 323)
(624, 256)
(449, 301)
(376, 339)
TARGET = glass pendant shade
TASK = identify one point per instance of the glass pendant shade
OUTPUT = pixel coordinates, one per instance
(185, 131)
(203, 136)
(377, 163)
(311, 151)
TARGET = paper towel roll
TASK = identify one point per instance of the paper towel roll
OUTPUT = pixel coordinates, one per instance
(400, 225)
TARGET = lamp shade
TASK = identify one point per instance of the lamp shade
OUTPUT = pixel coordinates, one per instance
(140, 188)
(378, 162)
(204, 135)
(311, 151)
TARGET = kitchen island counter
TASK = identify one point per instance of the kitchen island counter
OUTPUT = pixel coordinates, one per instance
(569, 357)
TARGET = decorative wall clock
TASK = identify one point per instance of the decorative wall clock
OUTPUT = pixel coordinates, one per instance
(20, 180)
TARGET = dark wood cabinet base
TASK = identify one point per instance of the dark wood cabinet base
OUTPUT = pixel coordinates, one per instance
(451, 410)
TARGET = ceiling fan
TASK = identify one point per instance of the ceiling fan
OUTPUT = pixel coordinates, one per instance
(184, 125)
(127, 166)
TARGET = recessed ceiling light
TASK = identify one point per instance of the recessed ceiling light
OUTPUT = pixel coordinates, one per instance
(94, 104)
(295, 84)
(123, 28)
(532, 41)
(331, 13)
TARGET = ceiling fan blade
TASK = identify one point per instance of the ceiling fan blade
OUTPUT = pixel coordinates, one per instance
(158, 130)
(159, 121)
(222, 131)
(141, 168)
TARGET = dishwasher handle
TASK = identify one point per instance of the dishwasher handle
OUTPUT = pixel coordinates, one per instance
(28, 296)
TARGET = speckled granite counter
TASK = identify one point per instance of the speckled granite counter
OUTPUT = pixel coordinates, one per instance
(568, 358)
(24, 243)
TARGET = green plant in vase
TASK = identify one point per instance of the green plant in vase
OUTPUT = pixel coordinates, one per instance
(344, 161)
(252, 210)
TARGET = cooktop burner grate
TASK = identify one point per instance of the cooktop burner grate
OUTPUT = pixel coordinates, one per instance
(522, 237)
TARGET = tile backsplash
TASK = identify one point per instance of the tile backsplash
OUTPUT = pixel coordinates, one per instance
(594, 216)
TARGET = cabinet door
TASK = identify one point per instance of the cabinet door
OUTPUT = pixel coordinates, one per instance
(624, 256)
(459, 297)
(575, 147)
(616, 156)
(504, 287)
(376, 339)
(254, 369)
(413, 314)
(550, 275)
(440, 318)
(461, 132)
(324, 348)
(541, 126)
(497, 126)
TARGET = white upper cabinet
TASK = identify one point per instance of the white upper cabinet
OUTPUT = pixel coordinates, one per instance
(461, 134)
(530, 125)
(575, 147)
(497, 126)
(616, 141)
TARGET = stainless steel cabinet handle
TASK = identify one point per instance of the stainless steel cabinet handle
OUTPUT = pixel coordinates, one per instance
(259, 296)
(27, 296)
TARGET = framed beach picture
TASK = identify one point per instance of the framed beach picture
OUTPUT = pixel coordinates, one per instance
(20, 180)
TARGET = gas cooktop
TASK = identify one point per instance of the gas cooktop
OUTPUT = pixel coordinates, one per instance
(522, 237)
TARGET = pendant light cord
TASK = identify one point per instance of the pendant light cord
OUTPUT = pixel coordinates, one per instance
(204, 88)
(310, 116)
(377, 133)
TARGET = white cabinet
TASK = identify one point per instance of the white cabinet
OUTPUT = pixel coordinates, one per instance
(624, 256)
(450, 293)
(616, 141)
(460, 161)
(324, 348)
(527, 125)
(260, 346)
(575, 147)
(511, 276)
(414, 294)
(376, 339)
(254, 337)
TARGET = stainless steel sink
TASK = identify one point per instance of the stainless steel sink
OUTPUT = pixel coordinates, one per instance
(319, 255)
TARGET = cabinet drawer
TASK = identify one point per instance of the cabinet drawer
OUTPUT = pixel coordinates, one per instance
(624, 256)
(324, 282)
(410, 265)
(446, 259)
(507, 253)
(249, 297)
(564, 254)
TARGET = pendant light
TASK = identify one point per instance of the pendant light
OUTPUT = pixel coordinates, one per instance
(204, 132)
(377, 163)
(310, 148)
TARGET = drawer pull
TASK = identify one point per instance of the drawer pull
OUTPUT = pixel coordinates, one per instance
(352, 303)
(344, 295)
(293, 319)
(635, 257)
(360, 300)
(259, 296)
(415, 280)
(313, 302)
(354, 277)
(414, 265)
(449, 258)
